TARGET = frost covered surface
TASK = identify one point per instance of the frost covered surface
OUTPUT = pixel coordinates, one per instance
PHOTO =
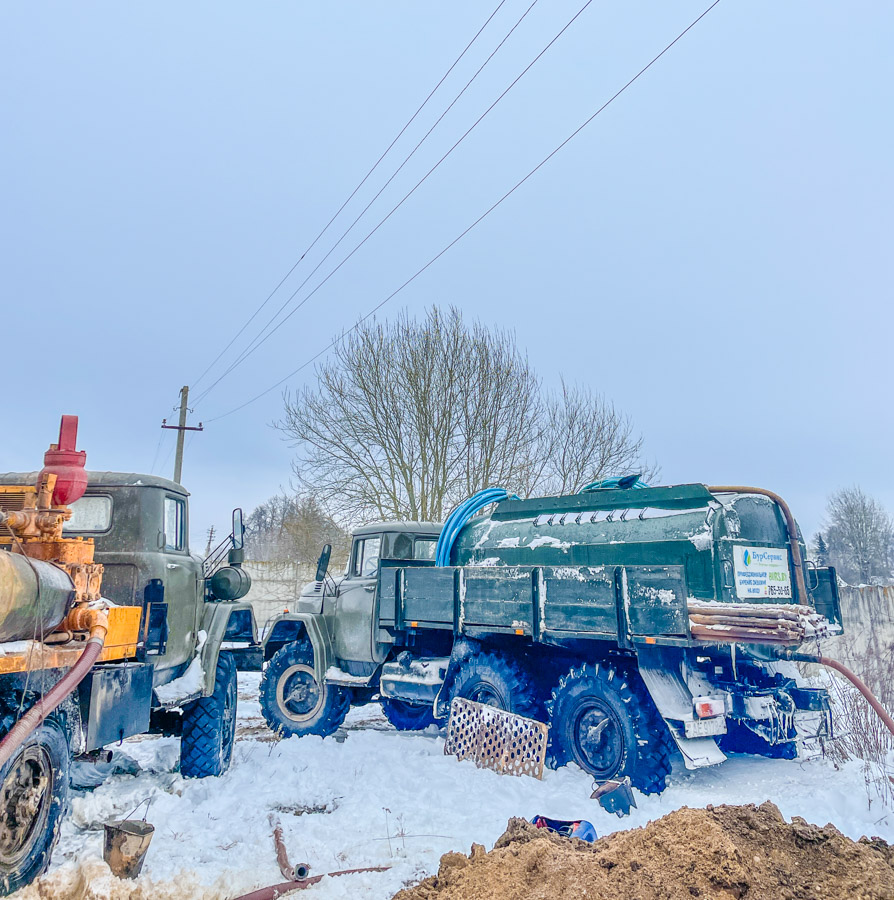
(213, 837)
(702, 540)
(333, 673)
(548, 541)
(190, 683)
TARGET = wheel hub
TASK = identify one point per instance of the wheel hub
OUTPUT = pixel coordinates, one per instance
(598, 738)
(486, 694)
(24, 803)
(298, 694)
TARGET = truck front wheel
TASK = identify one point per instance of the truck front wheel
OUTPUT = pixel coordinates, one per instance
(209, 726)
(293, 702)
(604, 721)
(33, 798)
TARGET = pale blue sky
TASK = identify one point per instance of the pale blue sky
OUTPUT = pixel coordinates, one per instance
(713, 252)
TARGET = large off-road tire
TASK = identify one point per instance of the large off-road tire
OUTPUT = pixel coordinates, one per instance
(209, 726)
(603, 720)
(407, 716)
(293, 702)
(497, 680)
(33, 800)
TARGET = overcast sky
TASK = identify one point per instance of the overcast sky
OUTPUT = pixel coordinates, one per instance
(713, 252)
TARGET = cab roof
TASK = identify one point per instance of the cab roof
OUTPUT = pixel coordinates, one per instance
(428, 528)
(104, 479)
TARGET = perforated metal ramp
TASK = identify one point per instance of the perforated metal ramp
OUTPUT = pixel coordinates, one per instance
(495, 739)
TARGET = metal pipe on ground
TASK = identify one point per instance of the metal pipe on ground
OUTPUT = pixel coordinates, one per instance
(94, 620)
(278, 890)
(289, 872)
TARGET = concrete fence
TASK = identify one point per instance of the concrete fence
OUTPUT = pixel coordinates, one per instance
(275, 587)
(867, 613)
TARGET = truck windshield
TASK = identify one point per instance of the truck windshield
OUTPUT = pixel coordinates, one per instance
(89, 514)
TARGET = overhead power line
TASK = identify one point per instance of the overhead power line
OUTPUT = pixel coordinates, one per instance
(258, 342)
(477, 221)
(353, 193)
(261, 337)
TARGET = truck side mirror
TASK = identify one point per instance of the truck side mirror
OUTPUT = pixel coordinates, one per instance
(237, 552)
(323, 563)
(238, 530)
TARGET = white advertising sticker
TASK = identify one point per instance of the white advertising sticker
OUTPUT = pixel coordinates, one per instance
(762, 572)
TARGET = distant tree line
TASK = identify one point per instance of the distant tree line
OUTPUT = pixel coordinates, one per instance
(857, 538)
(292, 529)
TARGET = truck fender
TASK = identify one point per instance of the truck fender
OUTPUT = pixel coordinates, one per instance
(463, 648)
(222, 622)
(290, 627)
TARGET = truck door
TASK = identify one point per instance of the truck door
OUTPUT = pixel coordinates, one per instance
(180, 575)
(353, 632)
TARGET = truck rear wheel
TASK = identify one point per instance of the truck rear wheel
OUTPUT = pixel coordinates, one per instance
(497, 680)
(407, 716)
(209, 726)
(604, 721)
(33, 799)
(293, 702)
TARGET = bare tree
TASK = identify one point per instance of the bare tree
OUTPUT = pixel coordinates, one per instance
(859, 536)
(586, 439)
(292, 529)
(409, 418)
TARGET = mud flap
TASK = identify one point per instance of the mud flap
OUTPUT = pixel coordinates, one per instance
(673, 700)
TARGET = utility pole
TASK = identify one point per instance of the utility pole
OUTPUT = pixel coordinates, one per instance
(180, 429)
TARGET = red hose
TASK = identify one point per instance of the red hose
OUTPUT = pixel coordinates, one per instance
(861, 687)
(19, 732)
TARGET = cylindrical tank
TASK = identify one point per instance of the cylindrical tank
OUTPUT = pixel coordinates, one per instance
(34, 597)
(230, 583)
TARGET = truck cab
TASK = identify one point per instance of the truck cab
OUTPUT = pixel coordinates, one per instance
(140, 528)
(335, 631)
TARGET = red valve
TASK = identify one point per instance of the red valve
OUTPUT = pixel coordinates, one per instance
(67, 464)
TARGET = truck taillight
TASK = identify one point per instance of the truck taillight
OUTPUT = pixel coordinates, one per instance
(708, 707)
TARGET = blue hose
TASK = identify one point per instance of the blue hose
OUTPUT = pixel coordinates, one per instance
(460, 516)
(624, 482)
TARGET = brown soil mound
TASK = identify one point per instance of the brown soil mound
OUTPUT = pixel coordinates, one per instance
(718, 853)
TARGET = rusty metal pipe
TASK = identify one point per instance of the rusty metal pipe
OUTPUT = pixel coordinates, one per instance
(289, 872)
(791, 527)
(97, 621)
(277, 890)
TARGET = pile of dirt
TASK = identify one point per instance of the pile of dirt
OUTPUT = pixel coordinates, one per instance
(718, 853)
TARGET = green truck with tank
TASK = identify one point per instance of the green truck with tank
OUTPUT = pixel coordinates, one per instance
(637, 621)
(108, 551)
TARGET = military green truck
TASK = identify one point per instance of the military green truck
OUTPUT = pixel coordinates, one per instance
(637, 621)
(140, 527)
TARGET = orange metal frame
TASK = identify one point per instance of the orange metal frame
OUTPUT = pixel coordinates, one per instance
(121, 643)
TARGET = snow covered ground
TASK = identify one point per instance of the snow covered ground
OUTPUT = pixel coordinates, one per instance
(379, 798)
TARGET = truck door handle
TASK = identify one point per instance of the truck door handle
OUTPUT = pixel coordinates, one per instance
(173, 565)
(369, 588)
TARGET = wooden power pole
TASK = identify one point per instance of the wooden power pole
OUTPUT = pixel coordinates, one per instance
(180, 429)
